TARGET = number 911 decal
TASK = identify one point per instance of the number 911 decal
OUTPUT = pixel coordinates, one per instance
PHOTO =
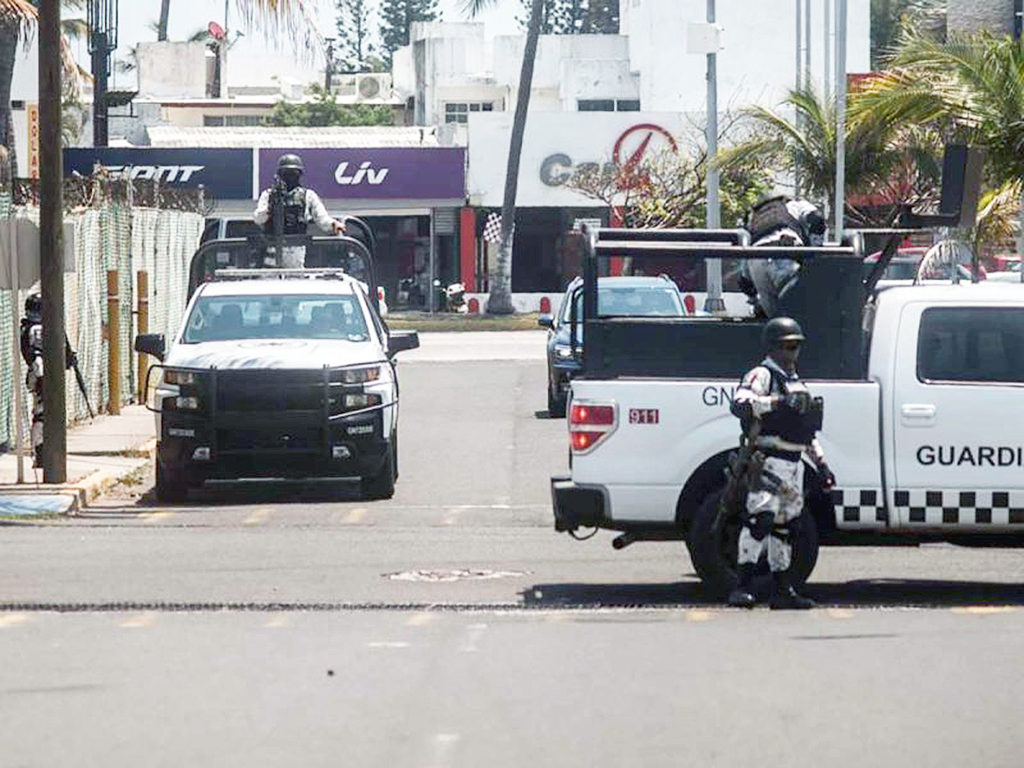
(643, 415)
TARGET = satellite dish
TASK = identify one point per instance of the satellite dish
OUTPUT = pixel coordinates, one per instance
(216, 30)
(369, 87)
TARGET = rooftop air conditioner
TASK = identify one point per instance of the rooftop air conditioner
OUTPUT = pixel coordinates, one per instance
(373, 87)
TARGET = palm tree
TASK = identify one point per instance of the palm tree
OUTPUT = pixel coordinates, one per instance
(889, 162)
(970, 87)
(500, 302)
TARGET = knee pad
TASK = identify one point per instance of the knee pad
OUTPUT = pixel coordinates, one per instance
(760, 525)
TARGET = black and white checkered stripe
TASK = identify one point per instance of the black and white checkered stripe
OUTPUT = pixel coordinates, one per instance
(997, 508)
(860, 507)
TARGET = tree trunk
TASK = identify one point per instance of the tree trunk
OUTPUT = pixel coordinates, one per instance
(165, 12)
(500, 302)
(9, 40)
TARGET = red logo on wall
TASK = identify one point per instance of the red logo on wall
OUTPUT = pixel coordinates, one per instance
(634, 145)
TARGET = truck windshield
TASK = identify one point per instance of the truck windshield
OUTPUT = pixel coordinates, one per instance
(230, 318)
(632, 301)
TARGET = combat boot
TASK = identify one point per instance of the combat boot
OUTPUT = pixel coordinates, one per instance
(785, 597)
(743, 594)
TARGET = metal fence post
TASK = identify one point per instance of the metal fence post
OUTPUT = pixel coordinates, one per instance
(142, 291)
(113, 343)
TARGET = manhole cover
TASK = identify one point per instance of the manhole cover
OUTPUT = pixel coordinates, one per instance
(455, 574)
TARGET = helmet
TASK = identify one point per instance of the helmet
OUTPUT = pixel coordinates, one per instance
(290, 163)
(33, 304)
(780, 329)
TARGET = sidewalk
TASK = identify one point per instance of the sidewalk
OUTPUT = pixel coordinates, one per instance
(99, 453)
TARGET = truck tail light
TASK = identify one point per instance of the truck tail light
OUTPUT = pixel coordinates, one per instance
(591, 422)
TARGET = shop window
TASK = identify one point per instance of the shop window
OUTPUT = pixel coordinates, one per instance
(627, 105)
(596, 105)
(213, 121)
(458, 112)
(232, 121)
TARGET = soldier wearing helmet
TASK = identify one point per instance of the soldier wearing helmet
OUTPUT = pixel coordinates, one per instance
(288, 208)
(788, 418)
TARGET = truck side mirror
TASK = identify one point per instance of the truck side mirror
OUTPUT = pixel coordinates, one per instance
(151, 344)
(400, 341)
(546, 321)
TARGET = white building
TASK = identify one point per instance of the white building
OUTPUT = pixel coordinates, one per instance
(454, 74)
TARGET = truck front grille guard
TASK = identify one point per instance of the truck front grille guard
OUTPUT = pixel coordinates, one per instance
(209, 390)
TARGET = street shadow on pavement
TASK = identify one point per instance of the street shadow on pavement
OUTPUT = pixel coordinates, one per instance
(869, 593)
(243, 493)
(545, 415)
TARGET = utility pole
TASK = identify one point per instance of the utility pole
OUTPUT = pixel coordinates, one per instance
(798, 79)
(714, 301)
(826, 50)
(51, 246)
(102, 20)
(807, 45)
(840, 203)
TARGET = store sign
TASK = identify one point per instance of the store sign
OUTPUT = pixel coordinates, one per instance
(226, 174)
(559, 145)
(409, 173)
(33, 140)
(637, 143)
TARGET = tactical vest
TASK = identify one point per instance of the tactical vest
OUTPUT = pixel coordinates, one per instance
(771, 216)
(786, 423)
(294, 202)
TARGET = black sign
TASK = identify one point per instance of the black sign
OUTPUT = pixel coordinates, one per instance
(225, 173)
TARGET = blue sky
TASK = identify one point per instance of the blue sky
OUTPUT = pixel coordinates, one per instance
(249, 60)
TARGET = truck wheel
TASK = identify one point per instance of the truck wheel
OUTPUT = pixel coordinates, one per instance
(714, 557)
(171, 484)
(382, 485)
(556, 404)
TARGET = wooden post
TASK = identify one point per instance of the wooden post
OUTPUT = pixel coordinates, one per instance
(142, 291)
(113, 343)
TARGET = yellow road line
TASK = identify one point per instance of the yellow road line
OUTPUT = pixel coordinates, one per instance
(13, 619)
(839, 613)
(354, 516)
(258, 516)
(278, 621)
(696, 615)
(983, 610)
(140, 621)
(157, 517)
(420, 619)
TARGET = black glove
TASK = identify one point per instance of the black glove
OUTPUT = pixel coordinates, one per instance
(828, 479)
(798, 401)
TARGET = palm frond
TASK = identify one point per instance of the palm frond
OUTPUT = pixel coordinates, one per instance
(473, 8)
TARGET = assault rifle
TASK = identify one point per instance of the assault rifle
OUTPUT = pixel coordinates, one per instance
(744, 469)
(72, 361)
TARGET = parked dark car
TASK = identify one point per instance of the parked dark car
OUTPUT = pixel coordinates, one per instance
(617, 296)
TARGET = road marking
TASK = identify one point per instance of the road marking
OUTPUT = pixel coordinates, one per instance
(695, 615)
(387, 644)
(444, 744)
(983, 610)
(140, 621)
(453, 516)
(12, 619)
(278, 621)
(473, 634)
(158, 517)
(839, 613)
(353, 516)
(420, 619)
(258, 516)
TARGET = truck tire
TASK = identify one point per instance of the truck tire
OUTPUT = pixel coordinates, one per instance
(171, 484)
(714, 558)
(382, 485)
(556, 404)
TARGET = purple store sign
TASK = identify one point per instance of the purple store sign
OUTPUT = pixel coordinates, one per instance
(403, 173)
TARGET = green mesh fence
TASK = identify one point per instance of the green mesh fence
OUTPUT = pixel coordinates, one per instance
(110, 234)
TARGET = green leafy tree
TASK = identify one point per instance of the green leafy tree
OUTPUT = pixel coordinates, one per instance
(575, 17)
(324, 110)
(889, 17)
(397, 17)
(353, 25)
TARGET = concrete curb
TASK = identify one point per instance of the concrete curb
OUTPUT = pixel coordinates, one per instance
(90, 487)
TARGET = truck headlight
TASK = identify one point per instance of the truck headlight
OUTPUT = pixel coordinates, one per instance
(358, 402)
(361, 375)
(563, 351)
(179, 377)
(187, 403)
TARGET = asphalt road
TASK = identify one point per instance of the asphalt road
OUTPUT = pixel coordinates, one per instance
(450, 626)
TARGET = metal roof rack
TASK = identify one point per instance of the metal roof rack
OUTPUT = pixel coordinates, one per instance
(280, 273)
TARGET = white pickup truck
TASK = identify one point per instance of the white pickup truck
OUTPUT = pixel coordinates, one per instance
(921, 425)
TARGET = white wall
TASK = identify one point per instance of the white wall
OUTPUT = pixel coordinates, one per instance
(758, 62)
(580, 137)
(172, 70)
